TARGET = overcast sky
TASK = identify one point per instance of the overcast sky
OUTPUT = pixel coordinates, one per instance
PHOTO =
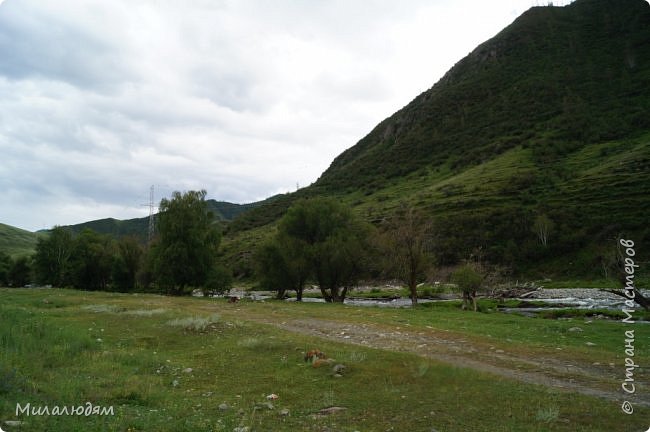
(246, 99)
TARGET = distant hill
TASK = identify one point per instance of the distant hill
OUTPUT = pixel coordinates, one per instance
(549, 117)
(17, 242)
(138, 227)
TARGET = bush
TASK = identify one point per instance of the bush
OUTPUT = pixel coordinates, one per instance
(469, 280)
(219, 281)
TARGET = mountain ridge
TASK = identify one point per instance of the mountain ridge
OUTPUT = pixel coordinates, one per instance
(548, 117)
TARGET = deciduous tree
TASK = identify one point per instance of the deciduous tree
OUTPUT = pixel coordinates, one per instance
(126, 264)
(52, 260)
(321, 238)
(189, 240)
(91, 260)
(405, 246)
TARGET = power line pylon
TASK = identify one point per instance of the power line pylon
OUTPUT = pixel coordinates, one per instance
(151, 216)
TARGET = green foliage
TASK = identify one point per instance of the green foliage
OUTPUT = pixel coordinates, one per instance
(219, 280)
(126, 264)
(318, 238)
(469, 280)
(52, 262)
(91, 261)
(5, 266)
(283, 263)
(20, 273)
(405, 248)
(189, 241)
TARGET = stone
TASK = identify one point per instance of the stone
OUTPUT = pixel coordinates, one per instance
(575, 329)
(224, 407)
(331, 410)
(187, 370)
(284, 412)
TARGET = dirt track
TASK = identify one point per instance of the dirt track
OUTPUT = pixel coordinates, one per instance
(590, 379)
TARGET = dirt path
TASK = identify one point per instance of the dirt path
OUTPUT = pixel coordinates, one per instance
(590, 379)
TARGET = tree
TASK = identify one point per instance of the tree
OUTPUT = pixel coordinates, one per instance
(469, 280)
(52, 259)
(405, 245)
(219, 280)
(189, 241)
(543, 226)
(283, 264)
(126, 264)
(20, 273)
(91, 261)
(340, 261)
(5, 266)
(318, 237)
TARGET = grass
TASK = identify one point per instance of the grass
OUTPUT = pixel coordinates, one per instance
(197, 324)
(140, 365)
(16, 242)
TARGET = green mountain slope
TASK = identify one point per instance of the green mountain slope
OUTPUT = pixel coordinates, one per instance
(17, 242)
(549, 117)
(555, 79)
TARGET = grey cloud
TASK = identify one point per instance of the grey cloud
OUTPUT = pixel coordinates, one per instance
(34, 45)
(100, 99)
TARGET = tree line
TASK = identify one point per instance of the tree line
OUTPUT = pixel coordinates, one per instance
(323, 241)
(318, 241)
(183, 256)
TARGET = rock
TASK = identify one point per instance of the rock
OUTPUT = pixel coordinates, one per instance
(590, 344)
(187, 370)
(575, 329)
(267, 405)
(331, 410)
(224, 407)
(284, 412)
(321, 362)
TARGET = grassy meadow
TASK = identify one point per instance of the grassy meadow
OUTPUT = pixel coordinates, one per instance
(176, 364)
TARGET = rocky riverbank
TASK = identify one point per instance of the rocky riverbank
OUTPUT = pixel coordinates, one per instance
(577, 293)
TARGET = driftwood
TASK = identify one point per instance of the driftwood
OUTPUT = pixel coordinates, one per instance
(639, 298)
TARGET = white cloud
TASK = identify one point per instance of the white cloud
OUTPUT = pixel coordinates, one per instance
(98, 99)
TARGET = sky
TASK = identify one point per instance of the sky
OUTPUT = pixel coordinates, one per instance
(100, 99)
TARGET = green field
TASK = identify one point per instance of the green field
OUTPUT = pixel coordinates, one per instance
(432, 368)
